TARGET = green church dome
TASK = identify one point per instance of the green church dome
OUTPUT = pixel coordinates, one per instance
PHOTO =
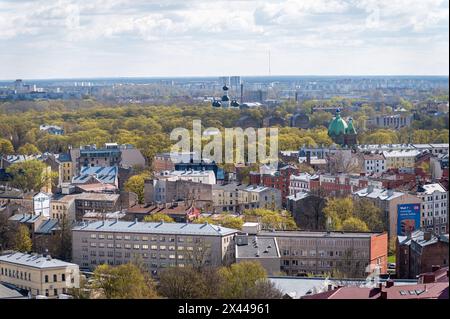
(338, 125)
(350, 128)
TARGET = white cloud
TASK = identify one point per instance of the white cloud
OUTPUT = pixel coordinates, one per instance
(141, 28)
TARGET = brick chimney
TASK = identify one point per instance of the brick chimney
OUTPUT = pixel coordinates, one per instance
(389, 283)
(427, 278)
(383, 294)
(427, 235)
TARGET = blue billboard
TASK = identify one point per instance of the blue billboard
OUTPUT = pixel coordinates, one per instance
(408, 218)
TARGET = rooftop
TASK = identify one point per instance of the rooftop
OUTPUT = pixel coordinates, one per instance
(431, 188)
(258, 247)
(35, 261)
(156, 228)
(379, 193)
(316, 234)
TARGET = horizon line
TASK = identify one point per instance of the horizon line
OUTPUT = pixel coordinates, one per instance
(218, 76)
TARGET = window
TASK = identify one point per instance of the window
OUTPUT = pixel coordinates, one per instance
(46, 278)
(55, 278)
(63, 277)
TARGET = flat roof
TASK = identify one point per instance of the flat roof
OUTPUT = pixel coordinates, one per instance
(258, 247)
(313, 234)
(155, 228)
(35, 261)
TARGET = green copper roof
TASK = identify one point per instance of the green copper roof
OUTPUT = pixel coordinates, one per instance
(350, 128)
(337, 126)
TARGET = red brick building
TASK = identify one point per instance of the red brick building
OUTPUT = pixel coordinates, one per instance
(278, 179)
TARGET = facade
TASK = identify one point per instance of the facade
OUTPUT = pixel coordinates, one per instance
(236, 198)
(51, 129)
(40, 275)
(159, 245)
(63, 207)
(165, 191)
(300, 183)
(374, 164)
(95, 202)
(275, 178)
(356, 254)
(204, 177)
(307, 210)
(400, 159)
(434, 212)
(389, 201)
(419, 251)
(395, 121)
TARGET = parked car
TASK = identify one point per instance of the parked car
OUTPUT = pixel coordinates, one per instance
(391, 266)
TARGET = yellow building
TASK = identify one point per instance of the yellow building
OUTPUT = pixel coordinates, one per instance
(63, 207)
(400, 159)
(65, 168)
(40, 275)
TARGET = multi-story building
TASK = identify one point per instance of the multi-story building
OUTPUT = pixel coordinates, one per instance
(63, 207)
(400, 159)
(112, 154)
(373, 163)
(158, 245)
(419, 251)
(96, 202)
(390, 202)
(300, 183)
(40, 275)
(394, 121)
(355, 254)
(276, 178)
(166, 191)
(236, 198)
(204, 177)
(434, 212)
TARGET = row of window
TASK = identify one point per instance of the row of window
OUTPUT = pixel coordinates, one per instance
(323, 253)
(146, 247)
(146, 238)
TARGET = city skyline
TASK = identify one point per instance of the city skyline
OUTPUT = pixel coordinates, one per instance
(102, 39)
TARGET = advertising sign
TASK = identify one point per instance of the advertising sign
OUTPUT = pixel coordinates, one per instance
(408, 218)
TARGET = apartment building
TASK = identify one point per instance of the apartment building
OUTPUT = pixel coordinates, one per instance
(63, 207)
(394, 121)
(389, 201)
(236, 198)
(419, 251)
(300, 183)
(166, 191)
(353, 253)
(204, 177)
(400, 158)
(434, 212)
(373, 163)
(158, 245)
(40, 275)
(95, 202)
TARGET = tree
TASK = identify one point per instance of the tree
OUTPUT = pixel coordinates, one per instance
(63, 241)
(30, 175)
(6, 147)
(338, 210)
(354, 224)
(182, 283)
(135, 184)
(232, 222)
(239, 280)
(28, 149)
(270, 219)
(370, 214)
(22, 240)
(158, 217)
(125, 281)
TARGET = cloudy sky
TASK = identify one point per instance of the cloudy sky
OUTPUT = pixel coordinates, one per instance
(103, 38)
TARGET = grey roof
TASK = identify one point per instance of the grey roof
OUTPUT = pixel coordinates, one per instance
(7, 192)
(417, 237)
(25, 218)
(9, 293)
(156, 228)
(318, 234)
(230, 187)
(47, 227)
(378, 193)
(258, 247)
(35, 261)
(298, 196)
(106, 175)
